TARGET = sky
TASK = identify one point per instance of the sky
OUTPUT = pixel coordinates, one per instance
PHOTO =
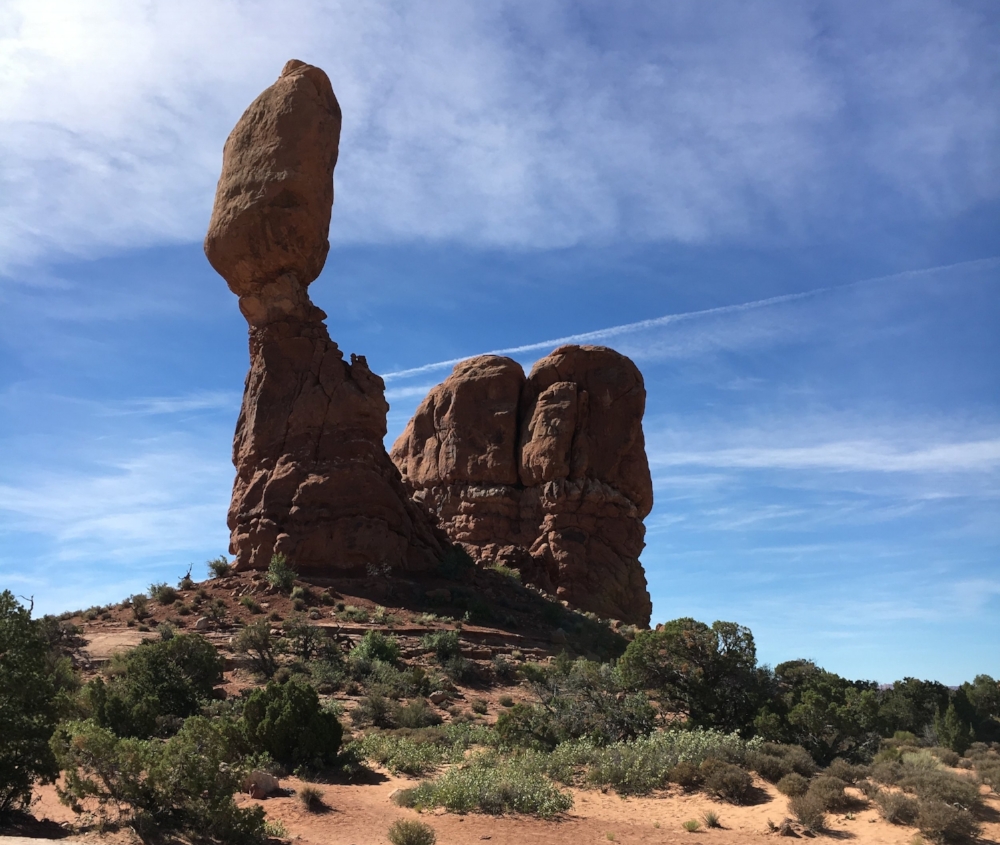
(786, 213)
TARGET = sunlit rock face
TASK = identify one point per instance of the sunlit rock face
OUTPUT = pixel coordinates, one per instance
(313, 480)
(545, 473)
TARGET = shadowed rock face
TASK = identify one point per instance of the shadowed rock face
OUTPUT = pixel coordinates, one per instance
(313, 480)
(546, 473)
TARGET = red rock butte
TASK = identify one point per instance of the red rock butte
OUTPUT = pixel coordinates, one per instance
(313, 480)
(546, 474)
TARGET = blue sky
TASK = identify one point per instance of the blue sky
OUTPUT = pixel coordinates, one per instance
(786, 213)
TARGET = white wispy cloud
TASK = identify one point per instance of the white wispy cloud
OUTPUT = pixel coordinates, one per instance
(501, 124)
(845, 456)
(705, 335)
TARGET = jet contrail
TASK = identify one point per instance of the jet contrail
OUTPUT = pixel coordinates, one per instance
(628, 328)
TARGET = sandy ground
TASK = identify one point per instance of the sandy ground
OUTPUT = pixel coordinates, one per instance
(360, 814)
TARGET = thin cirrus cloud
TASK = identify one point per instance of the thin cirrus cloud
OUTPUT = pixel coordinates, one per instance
(501, 124)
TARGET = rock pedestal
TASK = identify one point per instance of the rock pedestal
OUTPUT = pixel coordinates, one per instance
(313, 480)
(547, 474)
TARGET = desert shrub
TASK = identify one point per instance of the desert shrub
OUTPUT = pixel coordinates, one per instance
(460, 670)
(280, 574)
(896, 807)
(374, 709)
(771, 768)
(685, 775)
(809, 810)
(255, 641)
(155, 684)
(479, 705)
(886, 772)
(639, 766)
(727, 781)
(795, 756)
(353, 614)
(140, 606)
(941, 822)
(504, 670)
(416, 714)
(311, 797)
(988, 772)
(219, 567)
(308, 642)
(493, 785)
(922, 760)
(793, 784)
(506, 571)
(946, 756)
(186, 582)
(301, 592)
(691, 826)
(27, 706)
(506, 701)
(411, 832)
(186, 783)
(400, 754)
(830, 791)
(938, 785)
(444, 644)
(375, 645)
(840, 768)
(163, 593)
(287, 722)
(711, 819)
(251, 604)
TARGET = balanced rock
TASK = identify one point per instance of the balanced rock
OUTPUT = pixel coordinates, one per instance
(546, 474)
(313, 480)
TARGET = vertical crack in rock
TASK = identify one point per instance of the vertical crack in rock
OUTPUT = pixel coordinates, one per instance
(547, 474)
(313, 480)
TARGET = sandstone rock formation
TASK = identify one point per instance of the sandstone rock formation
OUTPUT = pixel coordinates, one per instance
(547, 474)
(313, 478)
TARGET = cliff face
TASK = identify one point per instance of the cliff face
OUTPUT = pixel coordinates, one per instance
(547, 473)
(313, 480)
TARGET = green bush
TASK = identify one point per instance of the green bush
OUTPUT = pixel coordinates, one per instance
(840, 768)
(685, 775)
(255, 641)
(769, 767)
(400, 754)
(186, 783)
(938, 785)
(251, 604)
(163, 593)
(829, 791)
(375, 710)
(416, 714)
(155, 685)
(287, 722)
(311, 797)
(809, 810)
(375, 645)
(411, 832)
(639, 766)
(27, 706)
(280, 574)
(896, 807)
(947, 756)
(988, 772)
(140, 606)
(793, 784)
(219, 567)
(727, 781)
(941, 822)
(444, 644)
(493, 785)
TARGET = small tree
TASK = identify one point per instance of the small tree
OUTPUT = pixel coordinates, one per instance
(27, 706)
(287, 722)
(952, 732)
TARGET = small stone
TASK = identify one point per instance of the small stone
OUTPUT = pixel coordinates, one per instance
(439, 697)
(260, 784)
(202, 623)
